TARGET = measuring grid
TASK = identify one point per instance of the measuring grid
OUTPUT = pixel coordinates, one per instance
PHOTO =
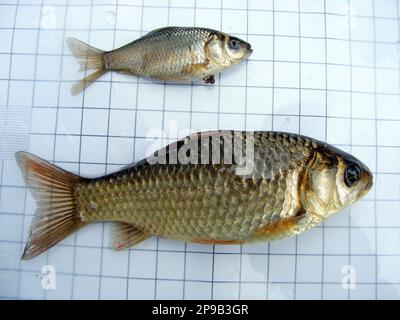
(300, 78)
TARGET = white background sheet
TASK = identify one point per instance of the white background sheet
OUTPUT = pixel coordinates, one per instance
(328, 69)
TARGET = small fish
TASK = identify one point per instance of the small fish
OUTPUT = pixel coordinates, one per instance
(217, 187)
(171, 53)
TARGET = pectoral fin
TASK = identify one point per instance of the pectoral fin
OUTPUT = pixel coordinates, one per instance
(127, 235)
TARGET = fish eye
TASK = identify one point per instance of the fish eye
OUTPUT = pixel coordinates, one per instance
(352, 174)
(234, 44)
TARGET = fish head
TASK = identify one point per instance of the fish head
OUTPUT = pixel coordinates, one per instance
(334, 180)
(225, 50)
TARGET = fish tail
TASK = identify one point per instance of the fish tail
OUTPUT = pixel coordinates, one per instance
(56, 215)
(88, 58)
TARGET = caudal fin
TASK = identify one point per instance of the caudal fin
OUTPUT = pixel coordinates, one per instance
(88, 58)
(56, 215)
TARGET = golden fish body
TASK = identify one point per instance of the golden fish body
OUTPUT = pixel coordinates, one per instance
(284, 185)
(171, 53)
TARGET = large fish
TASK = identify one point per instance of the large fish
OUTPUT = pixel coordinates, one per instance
(218, 187)
(171, 53)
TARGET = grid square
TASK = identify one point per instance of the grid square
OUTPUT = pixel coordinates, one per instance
(286, 101)
(254, 267)
(286, 48)
(253, 291)
(361, 132)
(93, 149)
(208, 17)
(388, 269)
(286, 123)
(282, 69)
(199, 266)
(87, 261)
(226, 267)
(43, 120)
(387, 81)
(123, 95)
(362, 53)
(310, 242)
(225, 291)
(336, 241)
(337, 27)
(63, 289)
(385, 106)
(259, 100)
(309, 268)
(280, 291)
(362, 7)
(95, 122)
(46, 94)
(121, 123)
(151, 96)
(147, 123)
(115, 264)
(27, 17)
(388, 241)
(197, 290)
(120, 150)
(313, 127)
(177, 97)
(308, 291)
(262, 47)
(362, 241)
(388, 291)
(85, 287)
(20, 93)
(260, 4)
(112, 288)
(260, 22)
(313, 75)
(234, 100)
(232, 121)
(312, 50)
(205, 98)
(234, 21)
(78, 17)
(312, 25)
(338, 104)
(149, 23)
(338, 77)
(334, 292)
(281, 268)
(170, 265)
(142, 264)
(259, 73)
(386, 30)
(24, 41)
(363, 29)
(48, 67)
(172, 290)
(9, 288)
(7, 16)
(337, 51)
(312, 6)
(141, 289)
(69, 121)
(286, 24)
(313, 102)
(333, 266)
(23, 67)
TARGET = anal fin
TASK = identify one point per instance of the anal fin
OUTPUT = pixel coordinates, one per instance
(125, 235)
